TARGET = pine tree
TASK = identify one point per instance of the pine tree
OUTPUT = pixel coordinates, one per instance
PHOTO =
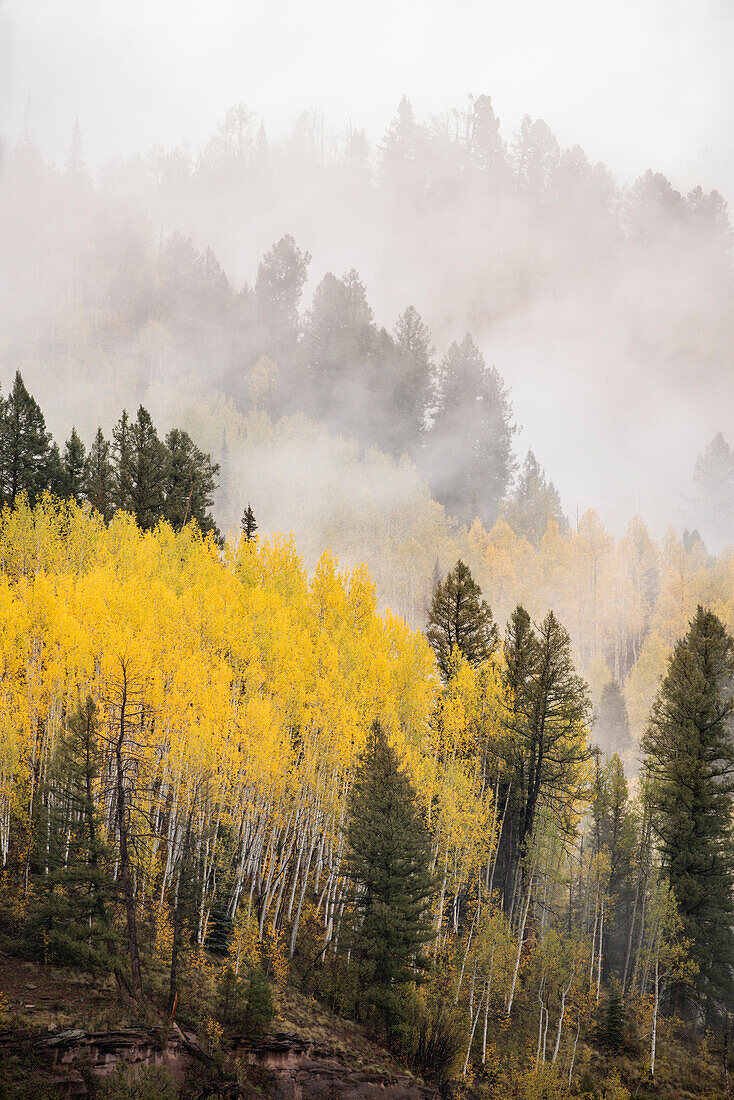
(74, 909)
(249, 527)
(122, 477)
(546, 750)
(73, 464)
(190, 483)
(149, 463)
(460, 618)
(25, 446)
(388, 859)
(690, 757)
(470, 440)
(612, 726)
(99, 481)
(533, 503)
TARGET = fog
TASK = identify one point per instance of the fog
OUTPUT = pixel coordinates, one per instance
(602, 297)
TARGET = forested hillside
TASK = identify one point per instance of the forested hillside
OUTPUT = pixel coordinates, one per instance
(213, 764)
(317, 689)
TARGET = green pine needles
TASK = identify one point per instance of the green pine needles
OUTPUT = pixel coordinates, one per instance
(388, 863)
(690, 757)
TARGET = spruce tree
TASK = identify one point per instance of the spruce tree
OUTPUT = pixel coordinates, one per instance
(459, 618)
(99, 482)
(611, 723)
(25, 446)
(249, 526)
(545, 750)
(122, 478)
(190, 483)
(388, 859)
(149, 463)
(73, 466)
(533, 503)
(73, 912)
(690, 758)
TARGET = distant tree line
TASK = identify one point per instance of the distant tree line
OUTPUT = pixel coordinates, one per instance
(137, 472)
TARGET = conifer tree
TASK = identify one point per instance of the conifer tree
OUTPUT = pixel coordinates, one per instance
(249, 527)
(612, 726)
(149, 463)
(388, 861)
(546, 749)
(73, 465)
(190, 483)
(74, 909)
(122, 479)
(99, 481)
(459, 618)
(533, 503)
(690, 757)
(25, 445)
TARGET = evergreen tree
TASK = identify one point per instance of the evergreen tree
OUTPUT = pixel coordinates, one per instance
(460, 618)
(190, 483)
(249, 527)
(75, 908)
(690, 757)
(533, 503)
(546, 749)
(612, 726)
(26, 446)
(470, 460)
(411, 383)
(149, 461)
(54, 478)
(99, 479)
(122, 478)
(714, 479)
(388, 858)
(73, 465)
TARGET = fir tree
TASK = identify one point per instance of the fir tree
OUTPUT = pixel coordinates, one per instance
(74, 910)
(534, 503)
(690, 757)
(73, 466)
(122, 478)
(389, 851)
(99, 481)
(190, 483)
(459, 618)
(25, 446)
(149, 463)
(249, 527)
(612, 726)
(546, 750)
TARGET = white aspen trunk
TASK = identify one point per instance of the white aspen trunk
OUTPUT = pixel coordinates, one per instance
(304, 883)
(593, 940)
(573, 1053)
(564, 994)
(599, 953)
(655, 1007)
(520, 938)
(471, 1039)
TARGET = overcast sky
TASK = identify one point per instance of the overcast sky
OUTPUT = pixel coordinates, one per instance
(637, 83)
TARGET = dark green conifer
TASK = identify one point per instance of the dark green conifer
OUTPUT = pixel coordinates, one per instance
(149, 461)
(99, 477)
(690, 757)
(122, 478)
(25, 446)
(388, 861)
(249, 527)
(73, 465)
(459, 618)
(190, 483)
